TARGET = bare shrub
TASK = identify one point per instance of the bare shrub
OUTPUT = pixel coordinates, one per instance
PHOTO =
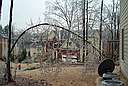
(49, 66)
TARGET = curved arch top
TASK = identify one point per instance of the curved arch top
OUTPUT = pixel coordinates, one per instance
(47, 24)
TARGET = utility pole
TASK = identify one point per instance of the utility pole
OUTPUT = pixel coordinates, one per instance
(87, 29)
(8, 69)
(100, 41)
(83, 17)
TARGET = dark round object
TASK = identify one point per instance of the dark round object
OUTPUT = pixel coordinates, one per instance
(106, 66)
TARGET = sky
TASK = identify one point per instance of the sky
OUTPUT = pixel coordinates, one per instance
(23, 11)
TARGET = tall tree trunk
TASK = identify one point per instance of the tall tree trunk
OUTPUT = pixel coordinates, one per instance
(118, 27)
(69, 35)
(87, 29)
(8, 70)
(115, 35)
(100, 41)
(83, 12)
(0, 7)
(112, 29)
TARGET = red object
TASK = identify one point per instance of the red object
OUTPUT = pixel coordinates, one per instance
(71, 52)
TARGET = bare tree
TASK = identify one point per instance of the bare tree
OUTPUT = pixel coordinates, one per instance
(69, 14)
(63, 12)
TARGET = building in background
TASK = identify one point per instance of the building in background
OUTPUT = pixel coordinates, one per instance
(70, 51)
(3, 46)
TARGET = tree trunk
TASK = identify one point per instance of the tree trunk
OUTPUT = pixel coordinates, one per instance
(8, 69)
(83, 12)
(100, 41)
(87, 29)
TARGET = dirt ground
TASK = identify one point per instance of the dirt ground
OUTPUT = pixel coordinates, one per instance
(69, 76)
